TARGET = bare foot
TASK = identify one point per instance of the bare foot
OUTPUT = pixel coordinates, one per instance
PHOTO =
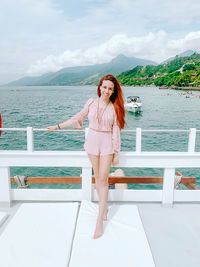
(105, 215)
(99, 229)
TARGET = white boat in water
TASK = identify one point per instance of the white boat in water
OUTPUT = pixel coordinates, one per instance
(133, 104)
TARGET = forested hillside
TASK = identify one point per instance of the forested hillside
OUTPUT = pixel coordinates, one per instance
(182, 71)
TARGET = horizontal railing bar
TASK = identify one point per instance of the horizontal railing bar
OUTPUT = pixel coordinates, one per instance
(63, 130)
(111, 180)
(80, 159)
(76, 195)
(167, 131)
(40, 130)
(13, 129)
(82, 130)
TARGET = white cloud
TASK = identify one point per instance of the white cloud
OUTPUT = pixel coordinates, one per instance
(46, 35)
(155, 46)
(189, 41)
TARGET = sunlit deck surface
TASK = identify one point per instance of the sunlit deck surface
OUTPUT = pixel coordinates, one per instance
(173, 233)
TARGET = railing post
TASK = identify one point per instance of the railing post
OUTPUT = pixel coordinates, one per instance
(191, 141)
(30, 145)
(138, 139)
(86, 132)
(168, 187)
(87, 183)
(5, 195)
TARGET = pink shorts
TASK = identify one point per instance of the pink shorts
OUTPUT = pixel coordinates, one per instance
(98, 143)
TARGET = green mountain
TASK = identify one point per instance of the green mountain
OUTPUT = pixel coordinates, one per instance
(84, 74)
(182, 71)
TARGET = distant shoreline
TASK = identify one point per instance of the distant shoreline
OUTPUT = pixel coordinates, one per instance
(188, 88)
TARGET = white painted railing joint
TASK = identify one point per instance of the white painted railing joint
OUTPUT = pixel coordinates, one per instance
(168, 187)
(86, 132)
(5, 187)
(138, 139)
(192, 140)
(30, 142)
(87, 183)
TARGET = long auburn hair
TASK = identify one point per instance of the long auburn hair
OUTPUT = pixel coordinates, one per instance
(116, 98)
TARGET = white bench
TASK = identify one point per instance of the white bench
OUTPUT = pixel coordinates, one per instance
(124, 242)
(39, 235)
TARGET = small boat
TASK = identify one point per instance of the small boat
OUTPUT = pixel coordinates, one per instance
(133, 104)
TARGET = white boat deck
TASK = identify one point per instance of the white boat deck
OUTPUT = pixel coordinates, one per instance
(173, 234)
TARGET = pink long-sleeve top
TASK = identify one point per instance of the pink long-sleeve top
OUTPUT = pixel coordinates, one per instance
(108, 121)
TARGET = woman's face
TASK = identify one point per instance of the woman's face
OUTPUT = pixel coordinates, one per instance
(107, 89)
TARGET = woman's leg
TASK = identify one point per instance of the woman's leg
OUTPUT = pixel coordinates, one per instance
(104, 169)
(95, 161)
(95, 165)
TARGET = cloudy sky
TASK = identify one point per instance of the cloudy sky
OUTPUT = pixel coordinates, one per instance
(39, 36)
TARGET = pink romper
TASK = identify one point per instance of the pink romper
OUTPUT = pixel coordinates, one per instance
(102, 139)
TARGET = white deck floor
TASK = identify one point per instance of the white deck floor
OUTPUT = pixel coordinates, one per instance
(173, 233)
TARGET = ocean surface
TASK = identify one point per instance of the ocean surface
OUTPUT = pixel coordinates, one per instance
(40, 107)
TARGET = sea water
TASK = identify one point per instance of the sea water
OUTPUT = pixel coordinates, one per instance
(40, 107)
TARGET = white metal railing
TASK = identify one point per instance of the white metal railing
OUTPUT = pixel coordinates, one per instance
(168, 161)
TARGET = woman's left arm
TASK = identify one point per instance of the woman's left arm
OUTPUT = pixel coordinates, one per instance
(116, 135)
(78, 119)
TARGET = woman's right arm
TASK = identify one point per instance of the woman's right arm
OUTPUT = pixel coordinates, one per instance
(76, 121)
(61, 125)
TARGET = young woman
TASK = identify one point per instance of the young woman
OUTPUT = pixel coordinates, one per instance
(106, 116)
